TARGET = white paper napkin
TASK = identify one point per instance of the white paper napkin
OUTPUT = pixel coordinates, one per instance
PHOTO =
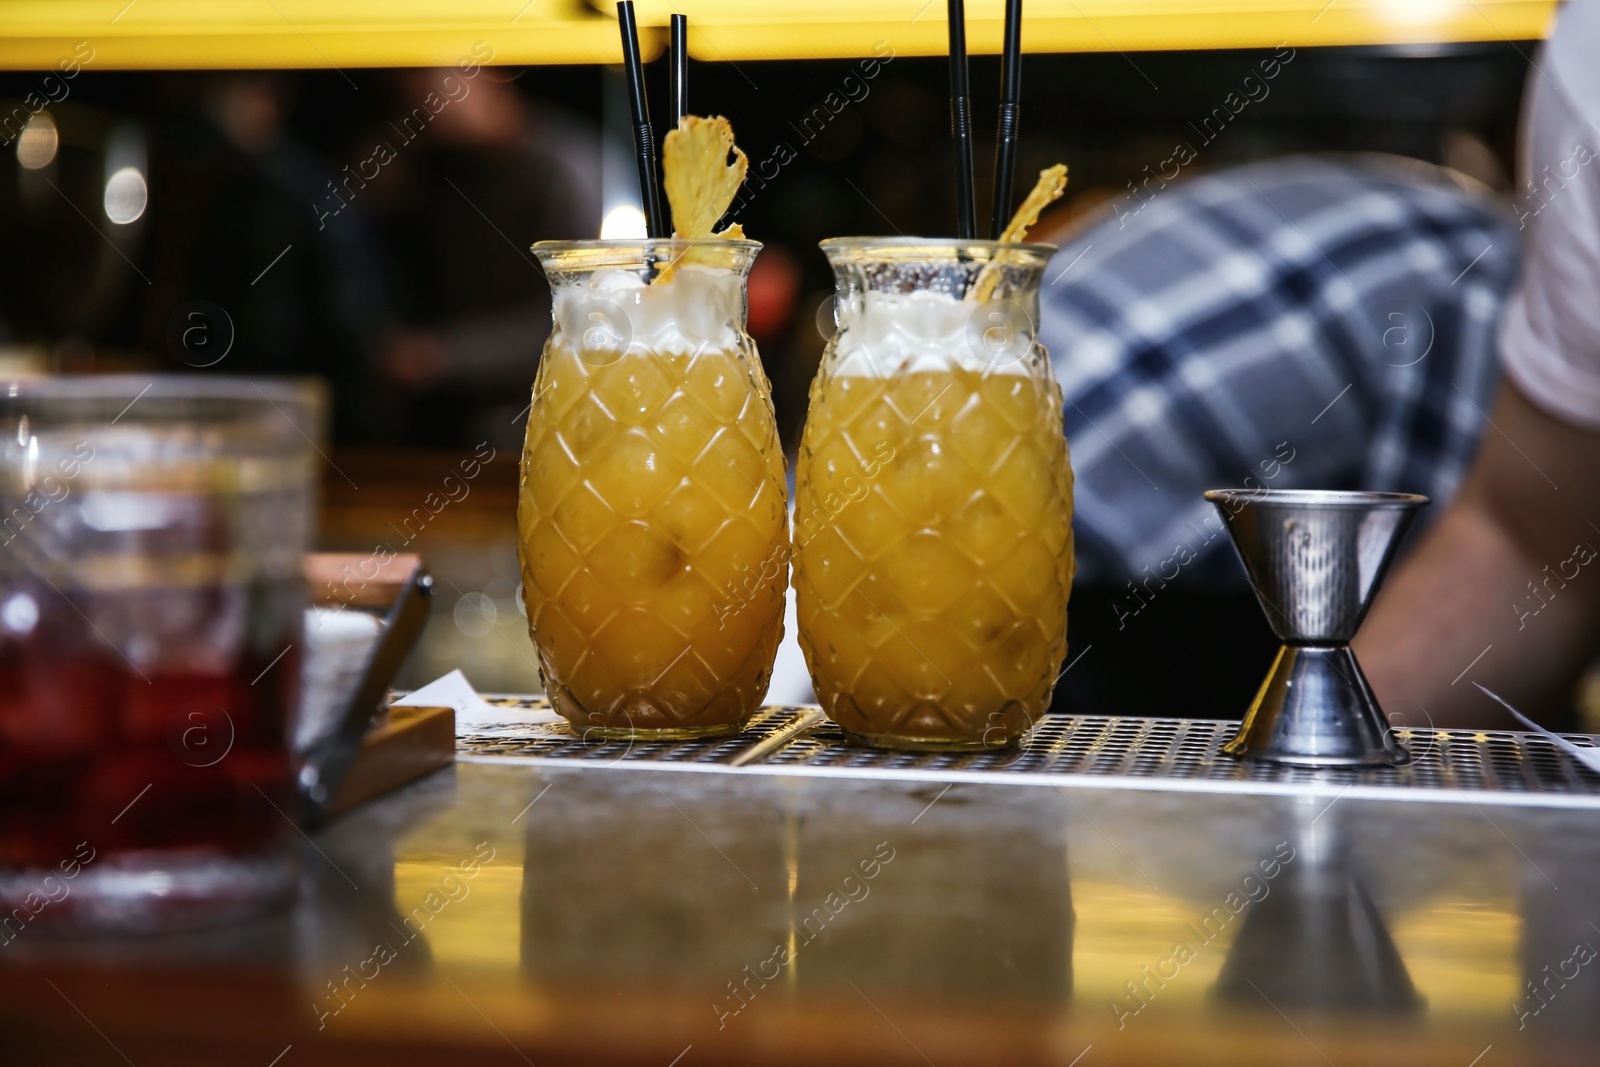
(1589, 757)
(474, 715)
(337, 646)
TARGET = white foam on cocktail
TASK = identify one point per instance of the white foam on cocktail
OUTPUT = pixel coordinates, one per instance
(903, 333)
(698, 309)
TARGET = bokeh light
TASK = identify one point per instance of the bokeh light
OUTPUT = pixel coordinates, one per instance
(126, 196)
(37, 144)
(623, 222)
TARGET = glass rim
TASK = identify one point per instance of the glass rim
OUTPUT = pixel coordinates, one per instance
(860, 243)
(1318, 498)
(601, 244)
(200, 387)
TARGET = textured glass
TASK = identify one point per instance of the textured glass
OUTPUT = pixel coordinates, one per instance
(933, 509)
(654, 542)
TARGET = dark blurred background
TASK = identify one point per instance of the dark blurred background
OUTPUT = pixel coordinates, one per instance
(406, 281)
(372, 227)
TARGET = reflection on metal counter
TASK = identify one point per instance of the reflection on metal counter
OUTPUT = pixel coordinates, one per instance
(1318, 940)
(792, 893)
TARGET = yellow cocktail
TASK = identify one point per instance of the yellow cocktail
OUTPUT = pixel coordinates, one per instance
(652, 513)
(933, 508)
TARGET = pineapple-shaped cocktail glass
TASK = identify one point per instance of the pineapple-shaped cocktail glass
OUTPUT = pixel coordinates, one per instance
(653, 533)
(933, 505)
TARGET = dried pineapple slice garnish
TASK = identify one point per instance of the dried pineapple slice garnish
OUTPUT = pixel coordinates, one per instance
(1046, 191)
(1051, 184)
(700, 181)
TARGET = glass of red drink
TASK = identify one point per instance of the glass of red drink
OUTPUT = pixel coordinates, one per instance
(151, 606)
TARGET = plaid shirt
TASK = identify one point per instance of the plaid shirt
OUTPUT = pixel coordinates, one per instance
(1321, 323)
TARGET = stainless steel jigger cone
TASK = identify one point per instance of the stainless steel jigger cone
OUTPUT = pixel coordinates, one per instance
(1315, 560)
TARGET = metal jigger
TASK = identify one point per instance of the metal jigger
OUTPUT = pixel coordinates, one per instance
(1315, 560)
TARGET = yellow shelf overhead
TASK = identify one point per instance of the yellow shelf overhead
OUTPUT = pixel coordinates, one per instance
(223, 34)
(809, 29)
(201, 34)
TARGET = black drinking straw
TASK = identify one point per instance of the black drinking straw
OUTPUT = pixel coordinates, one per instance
(961, 123)
(1005, 157)
(644, 142)
(678, 69)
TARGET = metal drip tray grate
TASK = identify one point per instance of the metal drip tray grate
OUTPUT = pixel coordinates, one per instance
(770, 730)
(1084, 750)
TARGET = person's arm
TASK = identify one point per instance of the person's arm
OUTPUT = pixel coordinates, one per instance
(1461, 609)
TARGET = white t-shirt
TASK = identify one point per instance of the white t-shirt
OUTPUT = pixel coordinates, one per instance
(1550, 336)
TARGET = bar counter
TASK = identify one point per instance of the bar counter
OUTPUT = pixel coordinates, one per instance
(514, 912)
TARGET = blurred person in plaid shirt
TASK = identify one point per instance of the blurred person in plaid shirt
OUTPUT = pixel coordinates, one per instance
(1308, 322)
